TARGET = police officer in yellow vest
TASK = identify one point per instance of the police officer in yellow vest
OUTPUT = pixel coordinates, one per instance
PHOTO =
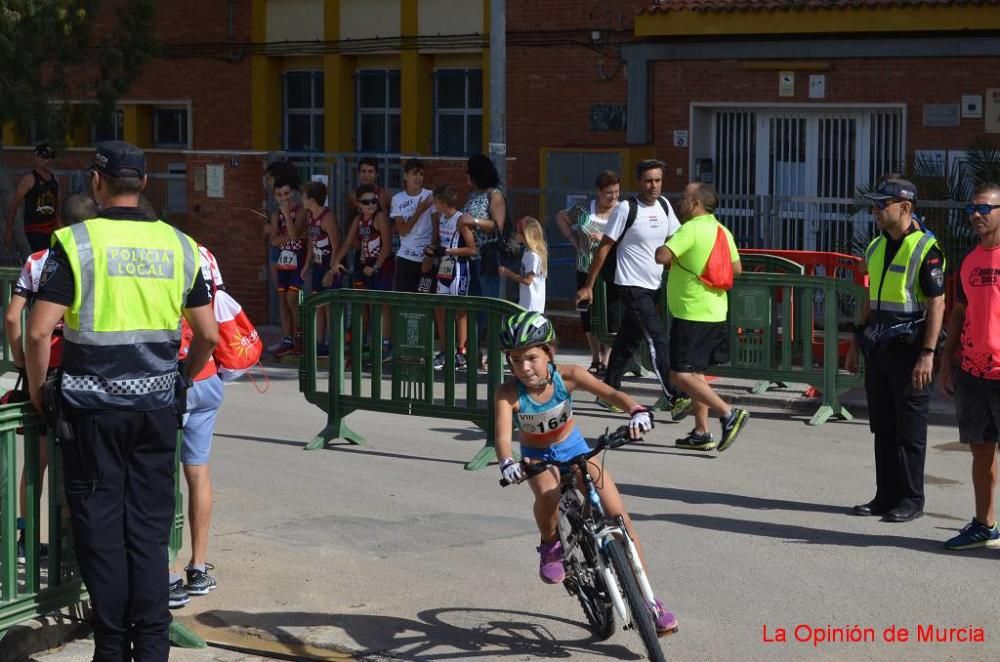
(121, 281)
(903, 316)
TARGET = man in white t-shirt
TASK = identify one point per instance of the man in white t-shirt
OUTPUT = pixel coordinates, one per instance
(638, 279)
(411, 217)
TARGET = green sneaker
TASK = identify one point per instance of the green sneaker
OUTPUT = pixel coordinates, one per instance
(680, 408)
(607, 405)
(732, 426)
(696, 441)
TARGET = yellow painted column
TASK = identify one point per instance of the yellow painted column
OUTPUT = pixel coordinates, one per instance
(10, 135)
(416, 88)
(338, 87)
(138, 124)
(265, 85)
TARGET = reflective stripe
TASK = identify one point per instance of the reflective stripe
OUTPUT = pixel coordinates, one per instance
(121, 337)
(893, 307)
(141, 386)
(85, 255)
(871, 249)
(188, 263)
(916, 257)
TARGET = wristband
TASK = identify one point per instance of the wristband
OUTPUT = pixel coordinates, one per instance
(928, 350)
(506, 462)
(637, 409)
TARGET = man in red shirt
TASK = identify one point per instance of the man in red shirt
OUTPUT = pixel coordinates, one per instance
(971, 370)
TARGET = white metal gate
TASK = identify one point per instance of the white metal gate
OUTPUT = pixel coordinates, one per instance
(809, 163)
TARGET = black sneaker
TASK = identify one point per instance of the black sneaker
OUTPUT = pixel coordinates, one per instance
(198, 582)
(732, 426)
(696, 441)
(178, 596)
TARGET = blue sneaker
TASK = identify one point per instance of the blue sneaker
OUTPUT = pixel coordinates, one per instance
(975, 534)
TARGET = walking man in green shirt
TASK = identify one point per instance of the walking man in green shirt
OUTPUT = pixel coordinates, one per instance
(698, 332)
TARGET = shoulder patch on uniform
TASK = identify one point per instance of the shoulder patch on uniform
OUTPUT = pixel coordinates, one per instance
(937, 275)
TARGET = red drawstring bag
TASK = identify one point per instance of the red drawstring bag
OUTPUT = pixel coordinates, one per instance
(240, 346)
(718, 271)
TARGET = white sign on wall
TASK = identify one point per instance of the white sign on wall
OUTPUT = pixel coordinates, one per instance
(972, 106)
(215, 181)
(681, 138)
(817, 86)
(786, 83)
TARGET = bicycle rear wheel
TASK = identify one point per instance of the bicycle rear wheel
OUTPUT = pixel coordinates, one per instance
(580, 561)
(642, 615)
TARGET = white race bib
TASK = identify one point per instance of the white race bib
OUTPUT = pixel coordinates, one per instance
(288, 260)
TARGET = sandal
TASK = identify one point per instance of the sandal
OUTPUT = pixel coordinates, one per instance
(595, 368)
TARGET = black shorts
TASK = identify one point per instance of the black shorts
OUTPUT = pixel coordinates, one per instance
(696, 346)
(407, 276)
(977, 408)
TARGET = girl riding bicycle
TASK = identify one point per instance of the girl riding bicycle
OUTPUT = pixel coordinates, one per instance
(539, 396)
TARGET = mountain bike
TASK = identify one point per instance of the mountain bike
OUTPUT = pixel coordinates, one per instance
(602, 565)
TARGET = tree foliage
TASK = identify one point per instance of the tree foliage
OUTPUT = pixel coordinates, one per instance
(55, 50)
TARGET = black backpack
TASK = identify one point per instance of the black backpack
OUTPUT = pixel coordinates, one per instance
(610, 266)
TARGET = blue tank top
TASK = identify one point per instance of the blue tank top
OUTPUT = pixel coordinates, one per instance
(544, 422)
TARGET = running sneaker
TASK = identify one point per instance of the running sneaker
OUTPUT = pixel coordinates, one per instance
(732, 426)
(666, 622)
(680, 408)
(439, 361)
(460, 362)
(199, 582)
(696, 441)
(607, 405)
(550, 562)
(285, 349)
(975, 534)
(178, 596)
(284, 340)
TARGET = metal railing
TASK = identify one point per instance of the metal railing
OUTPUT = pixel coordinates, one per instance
(408, 383)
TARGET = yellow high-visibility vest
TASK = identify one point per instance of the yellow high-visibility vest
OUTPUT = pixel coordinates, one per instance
(122, 329)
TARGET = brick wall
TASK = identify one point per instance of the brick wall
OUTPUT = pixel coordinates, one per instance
(229, 229)
(675, 84)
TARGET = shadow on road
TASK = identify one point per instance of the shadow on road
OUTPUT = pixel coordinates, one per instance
(436, 634)
(803, 534)
(339, 446)
(698, 497)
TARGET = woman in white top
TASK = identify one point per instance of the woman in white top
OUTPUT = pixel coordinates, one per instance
(534, 265)
(583, 226)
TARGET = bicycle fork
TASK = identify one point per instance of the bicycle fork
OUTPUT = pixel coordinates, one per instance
(620, 533)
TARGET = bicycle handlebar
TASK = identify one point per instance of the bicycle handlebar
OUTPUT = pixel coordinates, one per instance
(606, 441)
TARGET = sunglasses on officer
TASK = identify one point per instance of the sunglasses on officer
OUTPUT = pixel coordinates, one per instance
(982, 210)
(882, 204)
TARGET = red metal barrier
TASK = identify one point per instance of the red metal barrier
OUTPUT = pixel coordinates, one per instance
(833, 265)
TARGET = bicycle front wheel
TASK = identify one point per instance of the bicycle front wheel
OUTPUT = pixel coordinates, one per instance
(642, 615)
(582, 577)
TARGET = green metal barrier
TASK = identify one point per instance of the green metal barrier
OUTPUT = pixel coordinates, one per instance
(413, 387)
(24, 592)
(783, 327)
(786, 328)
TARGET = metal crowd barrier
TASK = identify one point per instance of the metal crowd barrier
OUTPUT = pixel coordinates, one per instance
(407, 383)
(783, 327)
(25, 591)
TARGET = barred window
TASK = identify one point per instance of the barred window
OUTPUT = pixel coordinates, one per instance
(458, 111)
(378, 106)
(303, 103)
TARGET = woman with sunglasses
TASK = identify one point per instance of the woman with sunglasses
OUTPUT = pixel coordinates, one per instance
(371, 233)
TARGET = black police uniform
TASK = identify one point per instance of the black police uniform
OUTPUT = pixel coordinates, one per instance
(119, 481)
